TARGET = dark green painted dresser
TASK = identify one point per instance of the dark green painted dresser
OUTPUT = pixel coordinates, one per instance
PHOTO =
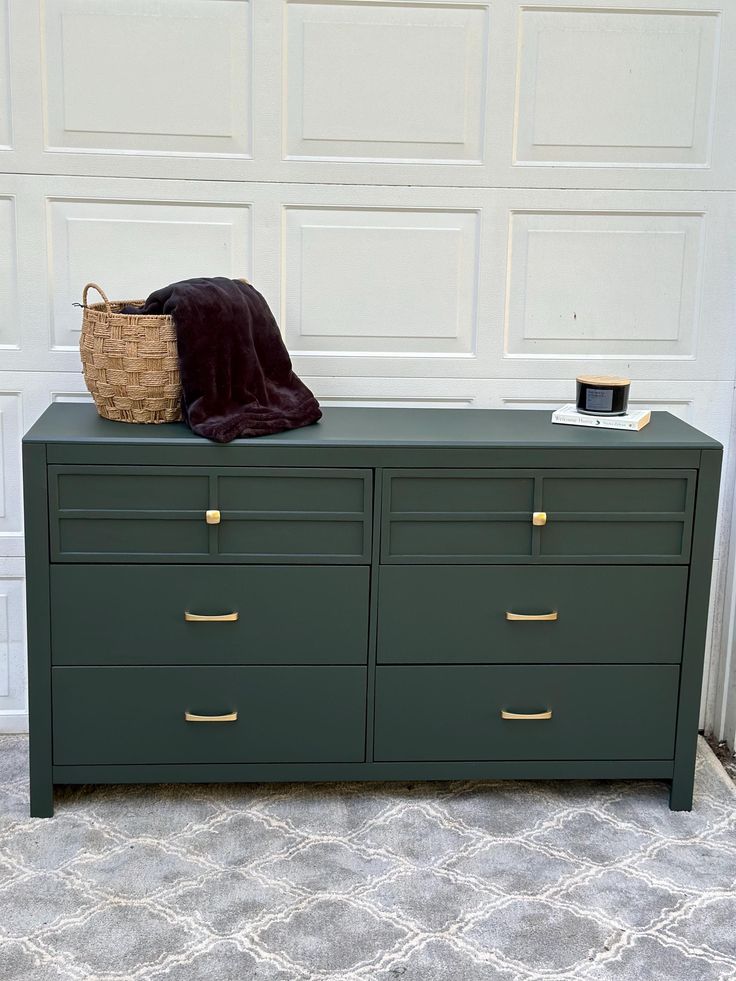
(387, 595)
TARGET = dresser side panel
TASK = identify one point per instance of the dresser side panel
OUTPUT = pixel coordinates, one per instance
(35, 503)
(696, 621)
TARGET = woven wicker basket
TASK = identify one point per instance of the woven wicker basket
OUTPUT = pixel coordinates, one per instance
(130, 362)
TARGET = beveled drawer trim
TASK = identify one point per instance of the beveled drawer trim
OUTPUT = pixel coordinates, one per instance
(551, 526)
(209, 528)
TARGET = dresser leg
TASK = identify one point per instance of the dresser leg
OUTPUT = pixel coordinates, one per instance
(681, 793)
(42, 798)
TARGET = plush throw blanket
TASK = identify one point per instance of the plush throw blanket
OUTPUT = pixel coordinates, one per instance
(236, 373)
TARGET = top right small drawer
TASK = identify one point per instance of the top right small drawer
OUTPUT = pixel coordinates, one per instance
(641, 515)
(587, 516)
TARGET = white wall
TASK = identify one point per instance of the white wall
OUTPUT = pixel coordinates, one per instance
(446, 203)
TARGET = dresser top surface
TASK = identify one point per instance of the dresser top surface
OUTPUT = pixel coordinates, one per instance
(68, 422)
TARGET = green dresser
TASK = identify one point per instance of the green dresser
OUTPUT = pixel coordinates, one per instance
(388, 595)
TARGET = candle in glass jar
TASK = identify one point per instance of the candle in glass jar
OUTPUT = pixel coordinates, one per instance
(602, 395)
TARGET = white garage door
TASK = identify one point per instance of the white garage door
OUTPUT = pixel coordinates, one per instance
(445, 203)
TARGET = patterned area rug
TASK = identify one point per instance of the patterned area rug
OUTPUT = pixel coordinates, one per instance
(368, 882)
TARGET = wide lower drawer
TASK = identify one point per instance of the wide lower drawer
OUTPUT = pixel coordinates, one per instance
(466, 614)
(137, 715)
(587, 712)
(128, 614)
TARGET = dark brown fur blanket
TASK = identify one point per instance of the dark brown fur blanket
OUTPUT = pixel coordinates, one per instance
(236, 373)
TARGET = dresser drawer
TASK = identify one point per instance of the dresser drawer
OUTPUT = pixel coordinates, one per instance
(302, 515)
(485, 516)
(609, 515)
(137, 715)
(135, 614)
(466, 614)
(599, 712)
(457, 515)
(145, 512)
(257, 514)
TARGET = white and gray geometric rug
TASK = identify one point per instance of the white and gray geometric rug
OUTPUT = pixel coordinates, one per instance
(464, 881)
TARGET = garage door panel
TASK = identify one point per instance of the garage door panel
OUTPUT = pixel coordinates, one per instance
(6, 126)
(132, 247)
(480, 94)
(394, 282)
(165, 77)
(9, 324)
(616, 87)
(381, 280)
(618, 283)
(346, 62)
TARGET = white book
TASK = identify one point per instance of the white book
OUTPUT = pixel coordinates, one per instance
(568, 415)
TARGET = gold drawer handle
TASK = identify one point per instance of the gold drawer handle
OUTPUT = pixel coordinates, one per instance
(526, 715)
(221, 618)
(532, 616)
(230, 717)
(212, 517)
(539, 518)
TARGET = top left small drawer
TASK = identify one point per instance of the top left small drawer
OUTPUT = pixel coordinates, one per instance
(127, 511)
(225, 514)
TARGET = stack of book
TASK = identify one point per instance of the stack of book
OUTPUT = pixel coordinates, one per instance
(568, 415)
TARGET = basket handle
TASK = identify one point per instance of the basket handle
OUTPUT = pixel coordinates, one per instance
(94, 286)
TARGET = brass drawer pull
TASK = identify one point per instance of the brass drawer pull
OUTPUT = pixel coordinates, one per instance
(532, 616)
(215, 618)
(230, 717)
(526, 715)
(539, 518)
(212, 517)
